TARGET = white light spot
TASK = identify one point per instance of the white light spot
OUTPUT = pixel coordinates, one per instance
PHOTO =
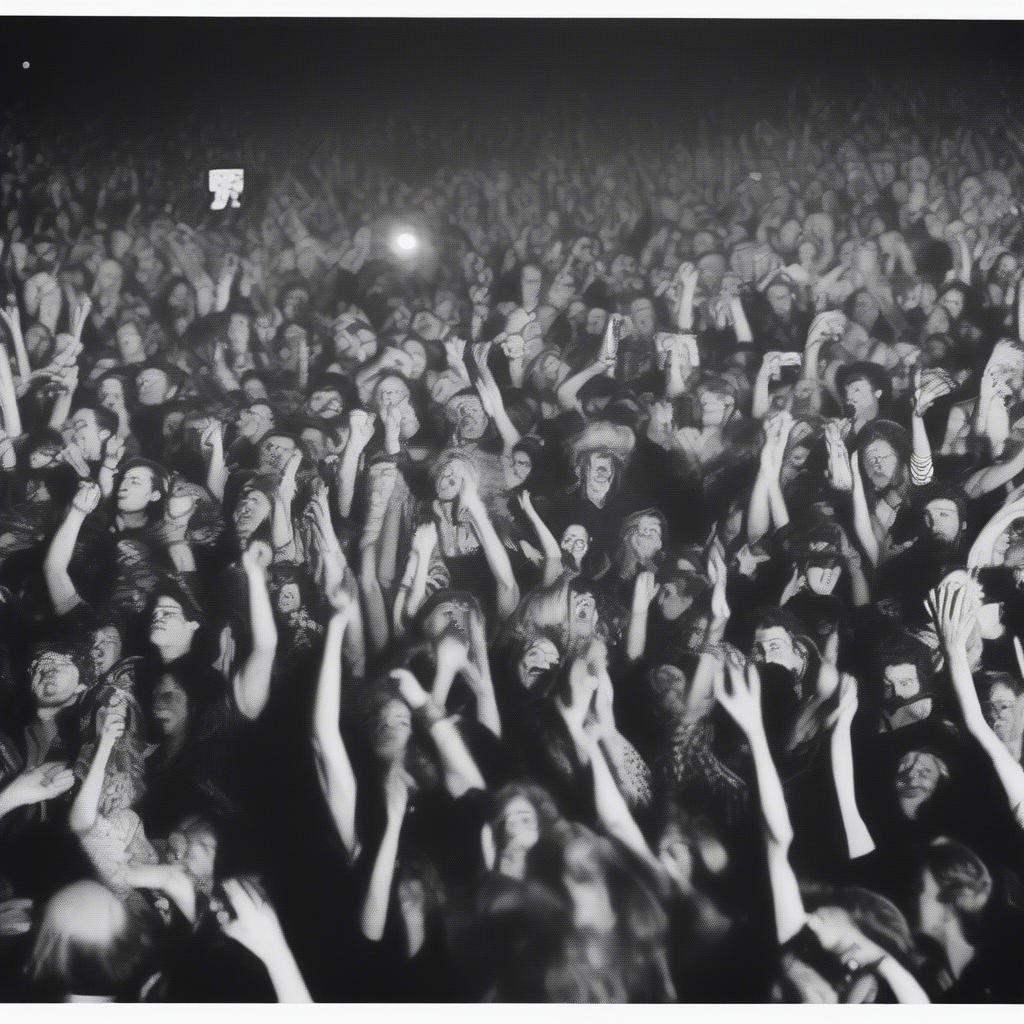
(405, 241)
(25, 64)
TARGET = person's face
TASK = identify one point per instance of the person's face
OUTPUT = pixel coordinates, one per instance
(170, 708)
(774, 646)
(417, 358)
(391, 391)
(645, 537)
(865, 310)
(531, 283)
(238, 333)
(917, 777)
(448, 615)
(168, 626)
(449, 481)
(575, 542)
(314, 443)
(600, 469)
(391, 731)
(152, 387)
(84, 432)
(254, 390)
(880, 461)
(596, 321)
(275, 453)
(180, 298)
(942, 518)
(518, 468)
(112, 393)
(642, 311)
(673, 603)
(953, 303)
(519, 824)
(196, 854)
(1002, 710)
(289, 600)
(251, 512)
(552, 370)
(537, 660)
(294, 303)
(254, 421)
(669, 685)
(55, 680)
(583, 620)
(105, 650)
(136, 490)
(900, 683)
(862, 398)
(780, 298)
(715, 408)
(469, 417)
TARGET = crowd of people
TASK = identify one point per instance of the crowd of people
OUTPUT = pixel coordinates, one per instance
(513, 565)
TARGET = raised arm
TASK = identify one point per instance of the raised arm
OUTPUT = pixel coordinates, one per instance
(337, 780)
(862, 514)
(460, 770)
(858, 839)
(11, 316)
(63, 594)
(85, 809)
(738, 689)
(494, 551)
(374, 914)
(250, 920)
(251, 683)
(951, 608)
(549, 546)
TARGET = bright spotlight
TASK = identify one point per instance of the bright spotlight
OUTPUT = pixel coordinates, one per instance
(406, 242)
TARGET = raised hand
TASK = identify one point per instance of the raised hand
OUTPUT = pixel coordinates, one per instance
(87, 497)
(250, 919)
(341, 602)
(952, 611)
(287, 487)
(424, 539)
(79, 314)
(361, 426)
(409, 688)
(738, 690)
(257, 557)
(113, 451)
(39, 784)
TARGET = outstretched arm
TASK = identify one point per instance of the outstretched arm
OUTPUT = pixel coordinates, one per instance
(63, 594)
(460, 770)
(858, 839)
(950, 607)
(337, 780)
(374, 915)
(549, 546)
(738, 690)
(494, 551)
(251, 684)
(85, 809)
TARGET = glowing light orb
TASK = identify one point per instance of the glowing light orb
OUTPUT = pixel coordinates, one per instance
(405, 242)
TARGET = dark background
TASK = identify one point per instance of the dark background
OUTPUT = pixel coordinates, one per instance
(322, 70)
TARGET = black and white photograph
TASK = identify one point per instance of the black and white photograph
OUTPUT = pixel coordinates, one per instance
(511, 510)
